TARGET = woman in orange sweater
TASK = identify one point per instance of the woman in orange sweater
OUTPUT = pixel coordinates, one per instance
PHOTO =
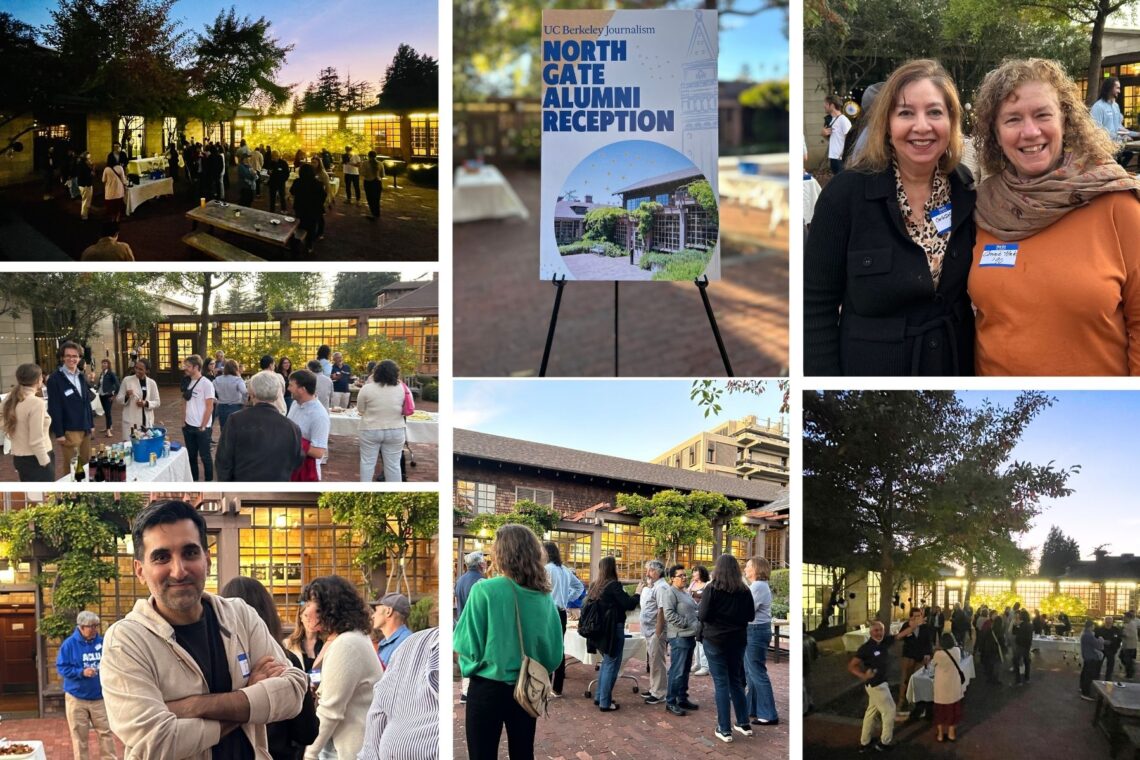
(1055, 280)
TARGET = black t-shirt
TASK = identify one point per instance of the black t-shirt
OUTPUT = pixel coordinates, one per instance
(203, 641)
(920, 644)
(874, 657)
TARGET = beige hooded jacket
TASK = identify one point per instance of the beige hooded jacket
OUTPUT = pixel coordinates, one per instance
(143, 667)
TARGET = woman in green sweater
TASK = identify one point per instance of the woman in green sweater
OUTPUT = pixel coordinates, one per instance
(487, 642)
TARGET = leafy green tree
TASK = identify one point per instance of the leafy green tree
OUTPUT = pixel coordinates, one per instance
(1058, 553)
(126, 55)
(388, 525)
(600, 223)
(707, 393)
(328, 95)
(238, 59)
(538, 518)
(411, 81)
(357, 290)
(71, 304)
(378, 348)
(22, 94)
(890, 478)
(336, 141)
(673, 519)
(1056, 603)
(703, 194)
(248, 354)
(1092, 14)
(80, 531)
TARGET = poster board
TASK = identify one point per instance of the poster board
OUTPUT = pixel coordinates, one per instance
(629, 145)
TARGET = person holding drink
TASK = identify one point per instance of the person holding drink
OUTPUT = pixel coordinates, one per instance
(139, 395)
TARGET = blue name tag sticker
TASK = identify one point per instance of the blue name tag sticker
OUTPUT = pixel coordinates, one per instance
(1003, 255)
(941, 218)
(243, 664)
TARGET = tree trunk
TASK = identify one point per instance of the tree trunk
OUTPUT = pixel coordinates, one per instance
(886, 581)
(1096, 46)
(204, 323)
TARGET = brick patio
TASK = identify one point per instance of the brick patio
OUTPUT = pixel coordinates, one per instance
(343, 464)
(53, 732)
(1044, 719)
(502, 309)
(575, 730)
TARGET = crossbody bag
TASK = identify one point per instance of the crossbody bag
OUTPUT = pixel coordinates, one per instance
(532, 690)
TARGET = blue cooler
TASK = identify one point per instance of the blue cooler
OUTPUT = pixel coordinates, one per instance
(142, 451)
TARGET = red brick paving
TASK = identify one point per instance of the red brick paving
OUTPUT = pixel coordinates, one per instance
(343, 464)
(53, 732)
(502, 309)
(575, 730)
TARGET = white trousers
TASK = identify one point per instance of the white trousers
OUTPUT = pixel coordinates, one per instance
(880, 706)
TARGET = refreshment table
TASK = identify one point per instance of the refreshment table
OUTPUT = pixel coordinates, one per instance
(852, 640)
(147, 189)
(484, 193)
(37, 752)
(170, 469)
(921, 686)
(418, 430)
(141, 166)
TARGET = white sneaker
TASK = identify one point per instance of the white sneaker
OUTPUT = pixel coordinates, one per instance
(701, 672)
(743, 730)
(726, 738)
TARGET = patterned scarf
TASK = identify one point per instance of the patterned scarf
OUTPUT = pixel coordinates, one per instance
(1011, 208)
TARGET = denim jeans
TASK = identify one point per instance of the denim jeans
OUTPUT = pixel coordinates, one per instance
(389, 443)
(198, 445)
(726, 665)
(611, 666)
(680, 660)
(761, 702)
(224, 412)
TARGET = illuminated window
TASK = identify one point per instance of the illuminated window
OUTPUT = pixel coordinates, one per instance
(873, 589)
(816, 593)
(312, 333)
(575, 551)
(382, 131)
(214, 133)
(420, 333)
(169, 131)
(476, 498)
(1083, 590)
(425, 134)
(1032, 592)
(314, 129)
(1116, 597)
(131, 134)
(248, 333)
(774, 541)
(55, 132)
(539, 496)
(630, 547)
(163, 360)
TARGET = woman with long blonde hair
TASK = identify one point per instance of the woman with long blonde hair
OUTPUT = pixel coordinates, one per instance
(28, 426)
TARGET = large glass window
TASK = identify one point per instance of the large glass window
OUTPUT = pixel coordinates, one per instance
(169, 131)
(699, 232)
(816, 593)
(874, 586)
(575, 551)
(631, 204)
(313, 130)
(163, 360)
(249, 332)
(537, 495)
(476, 498)
(425, 134)
(667, 232)
(1032, 592)
(312, 333)
(131, 134)
(421, 333)
(1116, 597)
(565, 231)
(630, 547)
(1086, 591)
(382, 130)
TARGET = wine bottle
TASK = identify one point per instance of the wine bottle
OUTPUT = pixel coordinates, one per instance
(80, 471)
(98, 474)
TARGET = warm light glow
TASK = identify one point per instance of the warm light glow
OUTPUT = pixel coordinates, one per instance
(953, 582)
(8, 575)
(319, 120)
(281, 522)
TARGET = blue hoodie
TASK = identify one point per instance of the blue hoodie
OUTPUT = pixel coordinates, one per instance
(75, 654)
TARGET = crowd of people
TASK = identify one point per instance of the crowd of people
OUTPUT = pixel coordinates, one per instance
(325, 691)
(916, 258)
(522, 612)
(1002, 641)
(274, 426)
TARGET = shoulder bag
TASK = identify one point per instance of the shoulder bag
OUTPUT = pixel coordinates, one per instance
(532, 690)
(950, 657)
(409, 404)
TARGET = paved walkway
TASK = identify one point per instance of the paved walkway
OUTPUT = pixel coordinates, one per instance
(591, 266)
(53, 732)
(575, 730)
(502, 308)
(344, 451)
(1044, 719)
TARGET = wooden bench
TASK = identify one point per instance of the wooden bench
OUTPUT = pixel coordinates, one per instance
(1132, 734)
(217, 248)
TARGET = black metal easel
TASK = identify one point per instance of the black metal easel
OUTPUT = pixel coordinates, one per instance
(702, 285)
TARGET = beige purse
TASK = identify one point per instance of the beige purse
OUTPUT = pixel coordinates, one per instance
(532, 690)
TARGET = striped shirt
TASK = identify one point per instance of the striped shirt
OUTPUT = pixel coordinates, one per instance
(403, 721)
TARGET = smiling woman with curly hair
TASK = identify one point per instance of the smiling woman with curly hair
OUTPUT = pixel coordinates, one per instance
(1054, 278)
(347, 667)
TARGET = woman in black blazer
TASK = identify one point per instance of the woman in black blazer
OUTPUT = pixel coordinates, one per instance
(892, 239)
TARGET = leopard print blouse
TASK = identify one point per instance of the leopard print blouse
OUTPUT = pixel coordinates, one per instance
(926, 234)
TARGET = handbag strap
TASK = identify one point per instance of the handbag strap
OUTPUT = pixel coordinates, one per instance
(518, 620)
(956, 667)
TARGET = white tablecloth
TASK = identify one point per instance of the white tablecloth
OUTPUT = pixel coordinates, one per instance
(811, 195)
(852, 640)
(484, 194)
(419, 431)
(1069, 646)
(38, 752)
(140, 165)
(334, 182)
(921, 686)
(151, 188)
(172, 469)
(575, 646)
(762, 191)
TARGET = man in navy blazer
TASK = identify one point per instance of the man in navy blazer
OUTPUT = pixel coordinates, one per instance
(69, 404)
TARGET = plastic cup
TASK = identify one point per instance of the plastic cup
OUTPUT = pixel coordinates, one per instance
(201, 203)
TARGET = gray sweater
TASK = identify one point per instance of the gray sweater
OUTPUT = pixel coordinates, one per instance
(680, 612)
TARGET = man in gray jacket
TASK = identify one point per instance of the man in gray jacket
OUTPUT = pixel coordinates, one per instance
(681, 628)
(187, 674)
(647, 588)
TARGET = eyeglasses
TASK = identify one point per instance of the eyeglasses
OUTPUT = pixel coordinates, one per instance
(680, 575)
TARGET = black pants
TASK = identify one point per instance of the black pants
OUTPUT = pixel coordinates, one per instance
(246, 195)
(29, 469)
(372, 193)
(1124, 157)
(1128, 660)
(1089, 673)
(1020, 657)
(198, 444)
(277, 191)
(560, 672)
(351, 181)
(490, 706)
(1109, 663)
(106, 402)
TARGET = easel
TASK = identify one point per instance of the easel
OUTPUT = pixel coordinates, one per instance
(702, 284)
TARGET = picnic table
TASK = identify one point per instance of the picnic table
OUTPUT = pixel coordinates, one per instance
(247, 222)
(1117, 710)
